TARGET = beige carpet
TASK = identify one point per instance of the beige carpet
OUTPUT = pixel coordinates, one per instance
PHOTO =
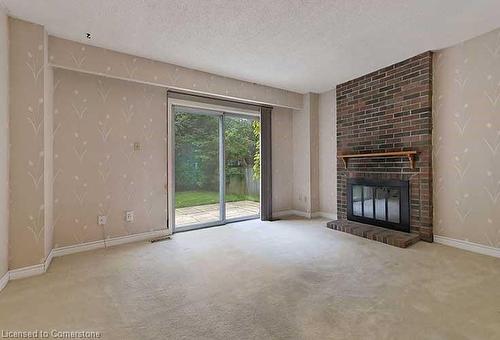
(255, 280)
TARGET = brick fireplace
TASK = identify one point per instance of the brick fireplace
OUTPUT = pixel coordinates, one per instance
(389, 110)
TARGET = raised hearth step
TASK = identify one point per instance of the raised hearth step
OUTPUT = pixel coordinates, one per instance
(390, 237)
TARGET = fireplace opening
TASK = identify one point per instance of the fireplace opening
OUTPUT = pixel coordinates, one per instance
(383, 203)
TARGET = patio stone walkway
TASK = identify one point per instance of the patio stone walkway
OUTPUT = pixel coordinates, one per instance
(210, 212)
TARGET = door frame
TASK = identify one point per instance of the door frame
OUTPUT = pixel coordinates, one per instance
(210, 109)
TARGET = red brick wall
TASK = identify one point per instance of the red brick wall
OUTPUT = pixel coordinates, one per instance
(389, 110)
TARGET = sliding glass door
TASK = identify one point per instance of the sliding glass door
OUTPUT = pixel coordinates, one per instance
(242, 166)
(197, 167)
(217, 167)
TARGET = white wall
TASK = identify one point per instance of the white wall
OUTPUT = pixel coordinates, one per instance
(301, 160)
(314, 156)
(314, 151)
(4, 142)
(327, 153)
(302, 156)
(282, 158)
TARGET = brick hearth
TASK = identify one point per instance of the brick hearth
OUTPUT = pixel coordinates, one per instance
(389, 110)
(391, 237)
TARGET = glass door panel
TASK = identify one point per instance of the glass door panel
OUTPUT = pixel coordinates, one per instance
(357, 200)
(368, 202)
(393, 205)
(242, 166)
(380, 201)
(197, 167)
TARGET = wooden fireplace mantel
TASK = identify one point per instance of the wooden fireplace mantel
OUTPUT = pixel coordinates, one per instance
(409, 154)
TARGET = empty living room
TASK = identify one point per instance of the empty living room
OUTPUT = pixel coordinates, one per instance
(250, 169)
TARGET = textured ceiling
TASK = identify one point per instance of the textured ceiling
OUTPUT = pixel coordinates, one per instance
(299, 45)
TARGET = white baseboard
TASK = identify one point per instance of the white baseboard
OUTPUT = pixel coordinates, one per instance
(284, 213)
(137, 237)
(324, 215)
(36, 269)
(466, 245)
(41, 268)
(48, 260)
(110, 242)
(304, 214)
(78, 248)
(300, 213)
(3, 280)
(23, 272)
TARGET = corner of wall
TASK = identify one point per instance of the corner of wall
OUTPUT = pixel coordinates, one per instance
(282, 159)
(327, 149)
(4, 145)
(301, 157)
(48, 143)
(30, 101)
(306, 197)
(314, 150)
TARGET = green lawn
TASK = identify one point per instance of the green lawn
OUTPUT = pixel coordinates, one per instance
(193, 198)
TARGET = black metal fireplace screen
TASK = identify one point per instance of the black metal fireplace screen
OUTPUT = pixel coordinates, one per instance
(383, 203)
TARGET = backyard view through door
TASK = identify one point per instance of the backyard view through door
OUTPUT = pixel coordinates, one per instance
(242, 166)
(217, 167)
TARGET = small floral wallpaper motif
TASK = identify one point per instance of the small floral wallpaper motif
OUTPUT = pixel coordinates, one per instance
(467, 140)
(96, 169)
(72, 55)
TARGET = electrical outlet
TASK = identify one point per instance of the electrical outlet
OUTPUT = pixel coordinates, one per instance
(101, 220)
(129, 216)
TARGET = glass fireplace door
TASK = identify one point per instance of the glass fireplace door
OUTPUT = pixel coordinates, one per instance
(379, 202)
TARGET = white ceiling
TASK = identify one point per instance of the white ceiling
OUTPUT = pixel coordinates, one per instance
(299, 45)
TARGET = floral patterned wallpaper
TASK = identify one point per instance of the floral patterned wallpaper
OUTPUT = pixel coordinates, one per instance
(76, 56)
(97, 170)
(27, 209)
(467, 141)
